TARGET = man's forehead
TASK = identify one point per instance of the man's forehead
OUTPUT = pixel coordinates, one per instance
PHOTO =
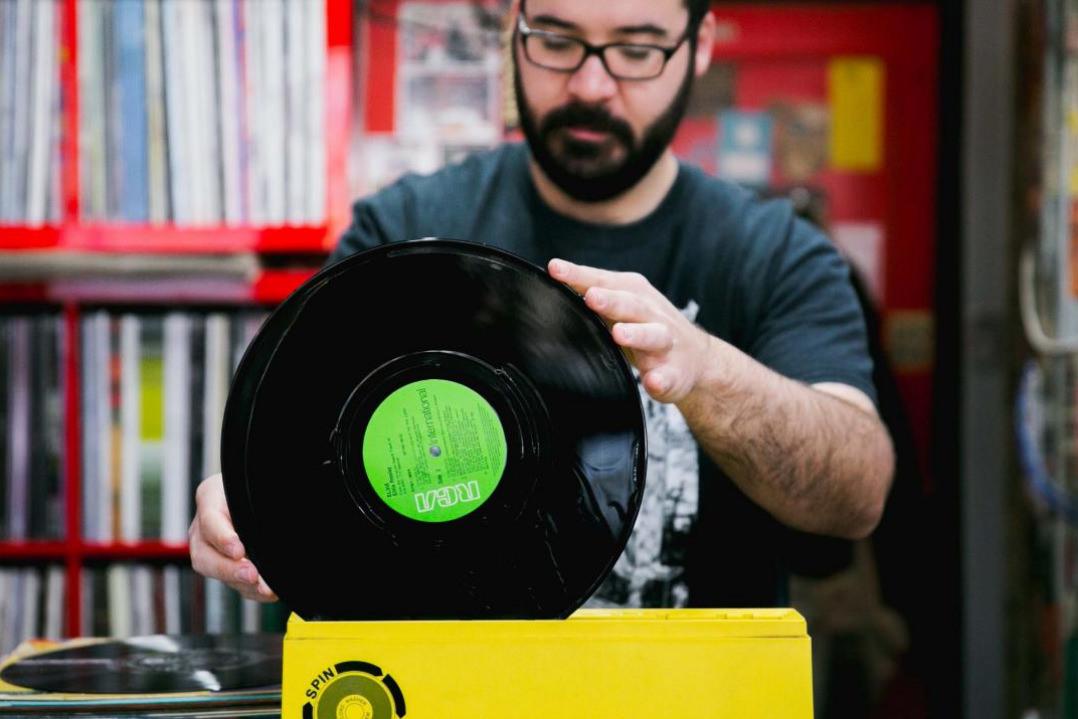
(609, 16)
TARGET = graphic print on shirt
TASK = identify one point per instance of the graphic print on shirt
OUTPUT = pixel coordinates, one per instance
(651, 570)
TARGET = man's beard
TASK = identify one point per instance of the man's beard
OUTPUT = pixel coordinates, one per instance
(586, 171)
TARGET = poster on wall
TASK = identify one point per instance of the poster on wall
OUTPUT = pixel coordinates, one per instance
(745, 147)
(449, 77)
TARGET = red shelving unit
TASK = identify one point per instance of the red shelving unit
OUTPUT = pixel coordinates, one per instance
(78, 237)
(61, 551)
(72, 236)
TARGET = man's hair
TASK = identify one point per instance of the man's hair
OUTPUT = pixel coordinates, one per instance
(697, 10)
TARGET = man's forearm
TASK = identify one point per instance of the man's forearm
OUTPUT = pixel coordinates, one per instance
(814, 461)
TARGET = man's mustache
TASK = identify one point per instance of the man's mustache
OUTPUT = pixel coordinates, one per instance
(589, 117)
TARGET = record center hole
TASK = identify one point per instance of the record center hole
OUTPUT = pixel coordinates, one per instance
(355, 706)
(435, 451)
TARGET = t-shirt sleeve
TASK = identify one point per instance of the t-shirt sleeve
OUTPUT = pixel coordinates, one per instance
(807, 322)
(376, 220)
(448, 203)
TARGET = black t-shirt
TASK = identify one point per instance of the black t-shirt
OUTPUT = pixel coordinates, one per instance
(747, 271)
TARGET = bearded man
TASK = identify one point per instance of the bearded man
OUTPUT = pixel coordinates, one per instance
(739, 319)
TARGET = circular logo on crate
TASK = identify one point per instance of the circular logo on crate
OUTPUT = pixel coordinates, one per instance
(353, 690)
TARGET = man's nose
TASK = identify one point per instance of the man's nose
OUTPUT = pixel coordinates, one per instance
(591, 82)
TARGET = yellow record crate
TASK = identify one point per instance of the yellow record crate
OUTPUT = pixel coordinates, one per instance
(598, 664)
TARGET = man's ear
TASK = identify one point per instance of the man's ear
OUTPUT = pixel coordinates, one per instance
(705, 42)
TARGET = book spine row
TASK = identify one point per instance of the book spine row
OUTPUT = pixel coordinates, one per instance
(202, 112)
(135, 599)
(30, 112)
(31, 605)
(31, 426)
(153, 394)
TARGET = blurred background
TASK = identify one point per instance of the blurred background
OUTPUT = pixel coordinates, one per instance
(172, 169)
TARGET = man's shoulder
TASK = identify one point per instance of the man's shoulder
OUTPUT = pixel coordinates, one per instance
(731, 200)
(737, 217)
(756, 243)
(704, 184)
(449, 202)
(456, 182)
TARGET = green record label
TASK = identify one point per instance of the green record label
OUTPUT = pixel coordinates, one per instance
(434, 450)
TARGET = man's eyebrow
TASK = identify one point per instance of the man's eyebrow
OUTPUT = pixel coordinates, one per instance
(553, 22)
(641, 29)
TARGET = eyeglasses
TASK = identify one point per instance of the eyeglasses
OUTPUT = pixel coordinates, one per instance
(624, 61)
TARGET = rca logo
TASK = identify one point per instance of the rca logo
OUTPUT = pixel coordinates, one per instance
(447, 496)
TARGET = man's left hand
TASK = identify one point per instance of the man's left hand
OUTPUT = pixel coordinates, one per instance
(669, 351)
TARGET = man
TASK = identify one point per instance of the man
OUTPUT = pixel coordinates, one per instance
(740, 321)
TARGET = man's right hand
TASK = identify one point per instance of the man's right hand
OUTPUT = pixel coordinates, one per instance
(216, 549)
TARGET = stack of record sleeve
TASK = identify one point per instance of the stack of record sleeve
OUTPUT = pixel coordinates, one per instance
(152, 676)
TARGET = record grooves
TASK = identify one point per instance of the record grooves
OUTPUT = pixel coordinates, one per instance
(433, 430)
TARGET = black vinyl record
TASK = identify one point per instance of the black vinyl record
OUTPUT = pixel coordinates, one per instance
(433, 430)
(154, 664)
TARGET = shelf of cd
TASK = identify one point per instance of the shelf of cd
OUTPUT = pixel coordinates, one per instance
(72, 337)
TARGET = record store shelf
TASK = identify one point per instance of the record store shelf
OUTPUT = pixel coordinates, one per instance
(72, 295)
(77, 237)
(45, 550)
(268, 287)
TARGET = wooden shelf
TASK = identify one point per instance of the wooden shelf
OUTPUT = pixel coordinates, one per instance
(58, 550)
(35, 550)
(134, 550)
(24, 237)
(266, 288)
(274, 286)
(166, 239)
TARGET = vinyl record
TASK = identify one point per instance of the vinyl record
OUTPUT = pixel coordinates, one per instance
(154, 665)
(433, 430)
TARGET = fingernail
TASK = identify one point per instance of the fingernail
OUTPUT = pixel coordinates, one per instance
(246, 574)
(626, 334)
(557, 267)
